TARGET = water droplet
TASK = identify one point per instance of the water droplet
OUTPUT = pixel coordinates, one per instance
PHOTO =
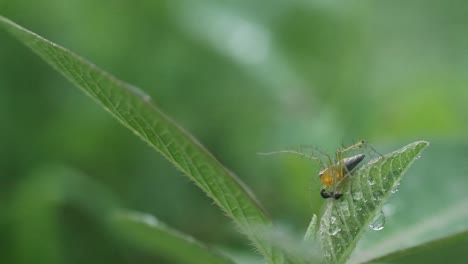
(332, 220)
(395, 187)
(378, 222)
(371, 181)
(357, 195)
(377, 195)
(418, 156)
(334, 229)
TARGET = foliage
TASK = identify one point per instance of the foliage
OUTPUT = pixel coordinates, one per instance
(135, 110)
(241, 82)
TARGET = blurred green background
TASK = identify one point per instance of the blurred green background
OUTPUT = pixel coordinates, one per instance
(243, 76)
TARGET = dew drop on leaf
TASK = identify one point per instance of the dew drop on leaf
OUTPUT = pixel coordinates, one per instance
(377, 195)
(357, 195)
(378, 222)
(334, 229)
(371, 181)
(395, 187)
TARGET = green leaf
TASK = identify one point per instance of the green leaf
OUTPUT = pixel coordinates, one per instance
(430, 205)
(312, 229)
(345, 220)
(149, 233)
(35, 211)
(135, 110)
(449, 249)
(50, 188)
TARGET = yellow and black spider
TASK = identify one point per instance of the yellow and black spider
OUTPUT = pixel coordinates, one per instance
(333, 175)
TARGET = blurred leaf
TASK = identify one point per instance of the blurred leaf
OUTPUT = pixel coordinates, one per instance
(136, 111)
(149, 233)
(296, 249)
(52, 187)
(345, 220)
(430, 205)
(312, 229)
(452, 249)
(36, 205)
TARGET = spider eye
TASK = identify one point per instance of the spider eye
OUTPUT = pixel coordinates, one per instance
(321, 173)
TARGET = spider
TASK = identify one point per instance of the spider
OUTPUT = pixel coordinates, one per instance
(332, 175)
